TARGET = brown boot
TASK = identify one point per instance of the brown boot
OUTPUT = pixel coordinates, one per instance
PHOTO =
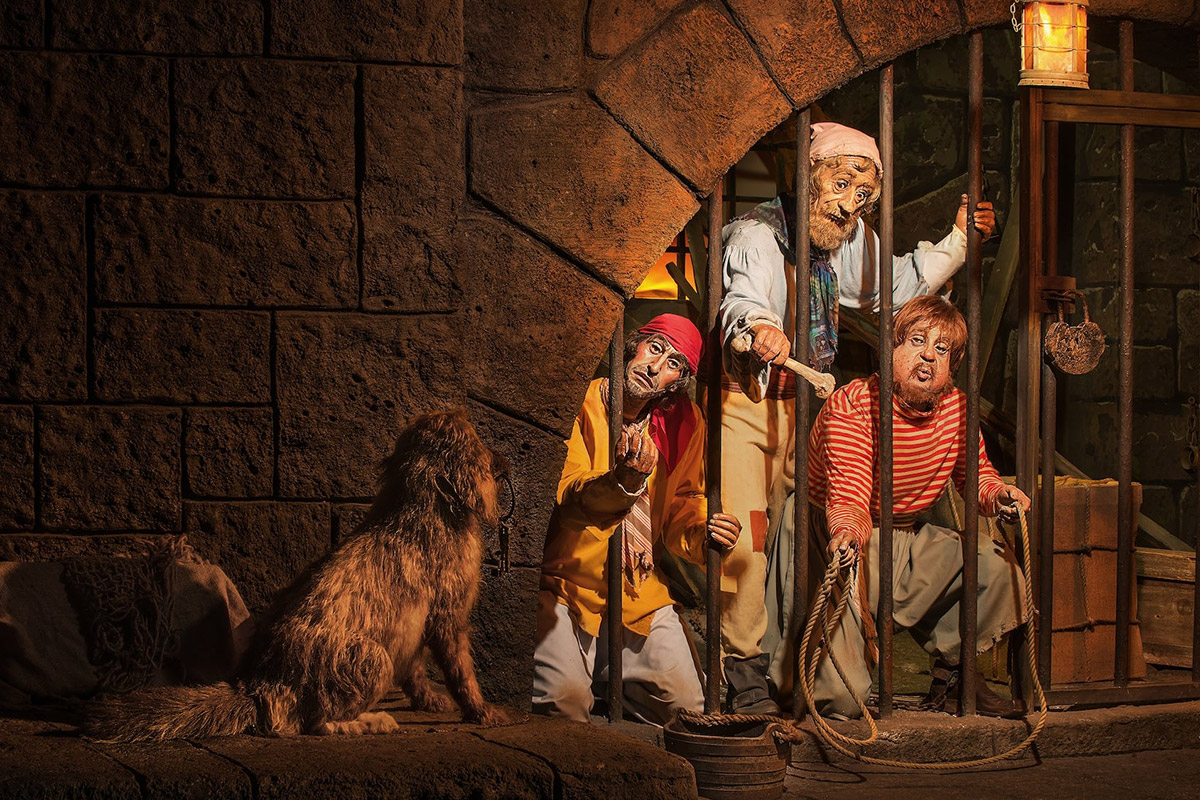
(747, 687)
(945, 691)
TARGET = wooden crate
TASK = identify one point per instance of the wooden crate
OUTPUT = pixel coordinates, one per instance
(1085, 589)
(1083, 643)
(1166, 596)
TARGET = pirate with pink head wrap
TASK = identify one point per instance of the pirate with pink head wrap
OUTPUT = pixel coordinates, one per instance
(757, 394)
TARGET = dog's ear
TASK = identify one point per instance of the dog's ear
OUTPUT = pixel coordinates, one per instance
(469, 472)
(466, 464)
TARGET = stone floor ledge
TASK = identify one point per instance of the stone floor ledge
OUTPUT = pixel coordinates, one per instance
(433, 756)
(928, 737)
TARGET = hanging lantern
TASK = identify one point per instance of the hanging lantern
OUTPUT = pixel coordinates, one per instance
(1053, 42)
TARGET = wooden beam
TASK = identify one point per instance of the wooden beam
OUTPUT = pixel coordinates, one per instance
(1000, 281)
(1122, 116)
(1099, 98)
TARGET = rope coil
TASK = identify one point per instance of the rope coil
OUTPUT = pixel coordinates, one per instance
(787, 730)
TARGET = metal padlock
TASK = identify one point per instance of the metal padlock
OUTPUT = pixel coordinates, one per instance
(1074, 349)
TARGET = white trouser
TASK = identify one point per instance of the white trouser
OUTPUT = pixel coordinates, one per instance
(658, 671)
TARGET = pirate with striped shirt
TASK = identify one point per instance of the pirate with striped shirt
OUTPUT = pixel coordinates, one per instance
(930, 450)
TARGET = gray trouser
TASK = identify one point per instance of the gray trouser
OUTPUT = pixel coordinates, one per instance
(927, 587)
(658, 671)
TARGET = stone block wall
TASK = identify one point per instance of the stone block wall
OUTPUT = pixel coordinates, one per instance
(238, 252)
(241, 241)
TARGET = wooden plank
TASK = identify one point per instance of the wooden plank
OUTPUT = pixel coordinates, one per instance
(1103, 98)
(1170, 565)
(1165, 612)
(1109, 695)
(1165, 600)
(1159, 118)
(1000, 281)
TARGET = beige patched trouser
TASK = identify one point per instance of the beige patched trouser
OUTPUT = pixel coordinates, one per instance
(658, 671)
(757, 475)
(927, 588)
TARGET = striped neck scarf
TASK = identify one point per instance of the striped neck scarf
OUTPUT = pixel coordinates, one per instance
(636, 530)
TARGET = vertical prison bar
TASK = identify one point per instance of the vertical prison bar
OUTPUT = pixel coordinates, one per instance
(1196, 582)
(1196, 579)
(970, 545)
(800, 327)
(1125, 377)
(1029, 353)
(616, 403)
(712, 688)
(886, 279)
(1029, 267)
(1049, 420)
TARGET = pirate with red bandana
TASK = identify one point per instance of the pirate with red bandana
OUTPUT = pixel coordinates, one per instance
(656, 489)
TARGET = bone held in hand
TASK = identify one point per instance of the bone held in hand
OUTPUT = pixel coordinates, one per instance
(822, 382)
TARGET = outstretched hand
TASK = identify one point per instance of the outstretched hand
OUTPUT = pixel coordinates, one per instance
(636, 458)
(770, 345)
(724, 530)
(984, 219)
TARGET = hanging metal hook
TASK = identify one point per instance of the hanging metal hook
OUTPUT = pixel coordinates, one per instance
(502, 526)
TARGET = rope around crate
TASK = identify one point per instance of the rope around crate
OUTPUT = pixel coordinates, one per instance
(785, 729)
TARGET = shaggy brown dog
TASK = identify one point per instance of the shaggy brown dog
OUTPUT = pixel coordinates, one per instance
(360, 617)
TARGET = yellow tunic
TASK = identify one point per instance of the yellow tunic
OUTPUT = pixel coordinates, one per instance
(574, 567)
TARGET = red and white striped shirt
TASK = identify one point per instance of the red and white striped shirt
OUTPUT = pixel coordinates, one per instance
(928, 450)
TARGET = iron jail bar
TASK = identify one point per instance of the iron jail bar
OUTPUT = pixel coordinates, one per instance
(616, 627)
(616, 362)
(970, 545)
(1125, 379)
(800, 509)
(712, 469)
(886, 387)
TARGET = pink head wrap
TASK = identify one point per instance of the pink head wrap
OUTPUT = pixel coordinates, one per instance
(681, 333)
(833, 139)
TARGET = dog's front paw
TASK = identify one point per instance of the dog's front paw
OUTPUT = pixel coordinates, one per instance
(367, 722)
(488, 717)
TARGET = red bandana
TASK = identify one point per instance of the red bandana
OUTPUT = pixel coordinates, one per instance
(681, 333)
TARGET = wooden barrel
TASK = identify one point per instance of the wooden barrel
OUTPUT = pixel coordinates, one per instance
(738, 761)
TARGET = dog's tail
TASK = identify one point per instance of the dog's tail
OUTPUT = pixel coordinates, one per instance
(171, 712)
